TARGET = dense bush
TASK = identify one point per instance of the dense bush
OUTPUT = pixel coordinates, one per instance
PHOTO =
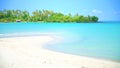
(43, 16)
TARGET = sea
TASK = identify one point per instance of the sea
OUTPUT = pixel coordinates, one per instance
(98, 40)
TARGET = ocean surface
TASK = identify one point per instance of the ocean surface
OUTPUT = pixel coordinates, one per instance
(97, 40)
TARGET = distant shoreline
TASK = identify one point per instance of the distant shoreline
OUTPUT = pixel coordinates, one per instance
(64, 22)
(51, 22)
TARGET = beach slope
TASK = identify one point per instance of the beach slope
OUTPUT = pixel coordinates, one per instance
(27, 52)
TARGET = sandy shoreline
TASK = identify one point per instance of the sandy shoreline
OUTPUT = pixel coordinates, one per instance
(27, 52)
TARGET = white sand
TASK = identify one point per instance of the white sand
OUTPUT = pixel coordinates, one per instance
(27, 52)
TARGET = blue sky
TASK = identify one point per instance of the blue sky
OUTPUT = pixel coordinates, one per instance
(106, 10)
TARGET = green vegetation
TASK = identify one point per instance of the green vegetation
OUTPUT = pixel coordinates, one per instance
(43, 16)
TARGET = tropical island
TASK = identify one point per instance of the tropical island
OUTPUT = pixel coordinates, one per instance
(43, 16)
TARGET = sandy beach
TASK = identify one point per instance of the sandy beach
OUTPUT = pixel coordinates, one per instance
(27, 52)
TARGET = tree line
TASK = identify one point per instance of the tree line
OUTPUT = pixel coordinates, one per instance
(43, 16)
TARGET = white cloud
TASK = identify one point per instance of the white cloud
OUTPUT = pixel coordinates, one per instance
(117, 12)
(85, 10)
(96, 11)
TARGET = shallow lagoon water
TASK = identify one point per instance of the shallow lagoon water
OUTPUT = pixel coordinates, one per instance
(99, 40)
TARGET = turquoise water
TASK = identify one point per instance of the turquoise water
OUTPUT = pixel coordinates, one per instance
(99, 40)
